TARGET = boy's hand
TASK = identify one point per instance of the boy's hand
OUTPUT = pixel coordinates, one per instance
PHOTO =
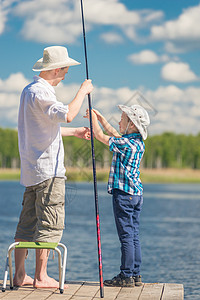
(94, 116)
(87, 116)
(98, 133)
(99, 115)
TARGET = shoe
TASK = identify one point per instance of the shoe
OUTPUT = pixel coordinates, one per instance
(138, 280)
(121, 281)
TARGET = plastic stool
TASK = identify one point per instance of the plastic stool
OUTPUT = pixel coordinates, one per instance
(36, 245)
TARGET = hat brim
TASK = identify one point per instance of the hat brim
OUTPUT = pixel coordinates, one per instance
(142, 130)
(40, 66)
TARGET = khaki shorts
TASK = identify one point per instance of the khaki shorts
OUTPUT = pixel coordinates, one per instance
(43, 213)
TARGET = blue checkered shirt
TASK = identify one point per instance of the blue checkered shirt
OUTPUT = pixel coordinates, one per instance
(124, 171)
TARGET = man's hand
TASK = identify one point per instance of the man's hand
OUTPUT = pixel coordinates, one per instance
(86, 87)
(75, 105)
(82, 133)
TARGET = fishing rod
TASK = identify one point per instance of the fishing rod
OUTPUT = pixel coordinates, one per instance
(94, 166)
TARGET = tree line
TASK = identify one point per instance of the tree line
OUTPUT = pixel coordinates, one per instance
(168, 150)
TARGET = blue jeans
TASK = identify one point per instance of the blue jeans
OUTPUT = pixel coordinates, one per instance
(127, 210)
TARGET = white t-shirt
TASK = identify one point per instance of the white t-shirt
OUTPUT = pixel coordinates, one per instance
(40, 142)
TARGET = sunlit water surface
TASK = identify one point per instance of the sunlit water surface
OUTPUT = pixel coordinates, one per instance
(169, 231)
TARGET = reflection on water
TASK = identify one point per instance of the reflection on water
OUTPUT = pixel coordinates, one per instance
(170, 233)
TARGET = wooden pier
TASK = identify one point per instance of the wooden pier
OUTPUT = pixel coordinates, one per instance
(81, 290)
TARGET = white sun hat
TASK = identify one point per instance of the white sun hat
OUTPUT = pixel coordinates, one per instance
(54, 57)
(139, 116)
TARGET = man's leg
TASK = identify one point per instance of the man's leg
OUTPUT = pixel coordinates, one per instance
(21, 278)
(50, 211)
(42, 280)
(24, 233)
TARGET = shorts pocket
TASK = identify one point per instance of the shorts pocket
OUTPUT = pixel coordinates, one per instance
(53, 191)
(51, 204)
(53, 216)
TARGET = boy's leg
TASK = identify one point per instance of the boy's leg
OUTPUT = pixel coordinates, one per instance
(123, 211)
(136, 240)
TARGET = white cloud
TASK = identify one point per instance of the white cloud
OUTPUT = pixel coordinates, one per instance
(147, 57)
(5, 8)
(50, 21)
(151, 15)
(60, 21)
(110, 13)
(14, 83)
(178, 109)
(9, 101)
(181, 34)
(10, 90)
(2, 20)
(112, 38)
(178, 72)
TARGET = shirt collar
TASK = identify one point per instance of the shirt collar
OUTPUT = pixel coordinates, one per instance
(44, 82)
(132, 135)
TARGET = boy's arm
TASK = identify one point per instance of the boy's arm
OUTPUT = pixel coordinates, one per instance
(107, 127)
(99, 135)
(80, 132)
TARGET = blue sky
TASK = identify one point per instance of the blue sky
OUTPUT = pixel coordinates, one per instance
(150, 46)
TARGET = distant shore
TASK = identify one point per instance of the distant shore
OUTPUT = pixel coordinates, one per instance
(147, 175)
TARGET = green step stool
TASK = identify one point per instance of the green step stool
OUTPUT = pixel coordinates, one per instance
(37, 245)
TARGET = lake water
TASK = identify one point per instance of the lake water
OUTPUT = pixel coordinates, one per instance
(170, 233)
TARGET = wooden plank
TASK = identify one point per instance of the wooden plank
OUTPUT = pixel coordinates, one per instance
(88, 289)
(4, 294)
(73, 287)
(173, 292)
(41, 294)
(56, 295)
(152, 291)
(16, 295)
(110, 293)
(130, 293)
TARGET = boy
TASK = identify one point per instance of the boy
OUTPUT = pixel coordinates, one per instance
(125, 185)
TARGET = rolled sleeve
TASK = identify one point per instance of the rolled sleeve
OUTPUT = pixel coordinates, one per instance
(58, 112)
(117, 144)
(55, 110)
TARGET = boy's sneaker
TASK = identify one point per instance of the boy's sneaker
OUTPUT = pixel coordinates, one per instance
(121, 281)
(138, 280)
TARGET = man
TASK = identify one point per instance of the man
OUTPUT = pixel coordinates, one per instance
(42, 160)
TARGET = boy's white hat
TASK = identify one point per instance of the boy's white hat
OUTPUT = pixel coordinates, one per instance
(139, 116)
(54, 57)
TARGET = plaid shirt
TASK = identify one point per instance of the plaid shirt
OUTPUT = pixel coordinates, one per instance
(124, 171)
